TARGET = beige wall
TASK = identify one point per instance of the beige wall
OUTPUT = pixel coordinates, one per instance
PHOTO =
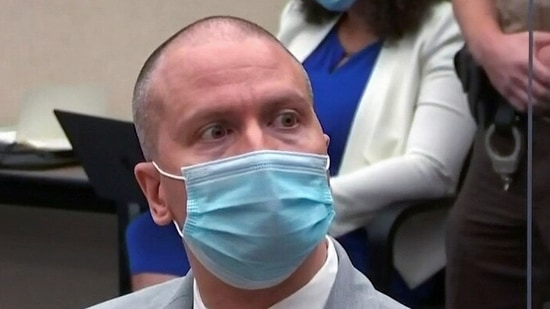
(96, 41)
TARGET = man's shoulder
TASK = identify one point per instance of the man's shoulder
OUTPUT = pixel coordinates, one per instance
(173, 293)
(352, 289)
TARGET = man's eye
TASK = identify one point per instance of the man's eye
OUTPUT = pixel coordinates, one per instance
(286, 120)
(216, 131)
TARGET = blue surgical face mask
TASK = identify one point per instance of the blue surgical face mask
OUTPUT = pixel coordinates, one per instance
(336, 5)
(253, 219)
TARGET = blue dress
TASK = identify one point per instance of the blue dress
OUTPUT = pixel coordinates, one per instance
(337, 90)
(155, 249)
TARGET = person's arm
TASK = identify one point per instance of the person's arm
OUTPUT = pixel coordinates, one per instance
(503, 56)
(479, 24)
(440, 137)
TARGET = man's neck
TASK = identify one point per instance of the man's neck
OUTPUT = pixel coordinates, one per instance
(216, 294)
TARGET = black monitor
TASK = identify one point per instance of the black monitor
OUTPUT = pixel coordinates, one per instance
(108, 150)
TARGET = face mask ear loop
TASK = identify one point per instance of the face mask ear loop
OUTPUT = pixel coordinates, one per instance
(328, 164)
(173, 177)
(178, 229)
(176, 177)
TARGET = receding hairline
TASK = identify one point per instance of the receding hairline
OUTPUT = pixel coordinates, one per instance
(214, 29)
(202, 31)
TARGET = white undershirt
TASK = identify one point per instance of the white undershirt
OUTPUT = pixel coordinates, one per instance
(312, 295)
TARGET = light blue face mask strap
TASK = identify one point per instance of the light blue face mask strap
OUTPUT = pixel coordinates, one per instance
(176, 177)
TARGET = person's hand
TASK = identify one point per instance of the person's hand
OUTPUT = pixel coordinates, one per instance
(506, 62)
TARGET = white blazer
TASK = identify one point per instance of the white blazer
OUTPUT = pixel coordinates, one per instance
(410, 135)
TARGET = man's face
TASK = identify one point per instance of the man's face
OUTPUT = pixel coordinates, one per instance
(224, 99)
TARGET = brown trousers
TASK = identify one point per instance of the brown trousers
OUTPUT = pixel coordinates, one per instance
(486, 238)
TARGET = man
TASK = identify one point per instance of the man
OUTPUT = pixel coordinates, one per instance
(487, 238)
(236, 158)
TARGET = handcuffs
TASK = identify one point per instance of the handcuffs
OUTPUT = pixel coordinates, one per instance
(505, 165)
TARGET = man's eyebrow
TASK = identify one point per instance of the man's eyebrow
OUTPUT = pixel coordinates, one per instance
(215, 111)
(287, 97)
(219, 110)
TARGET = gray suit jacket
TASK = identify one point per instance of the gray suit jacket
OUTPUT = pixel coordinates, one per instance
(351, 290)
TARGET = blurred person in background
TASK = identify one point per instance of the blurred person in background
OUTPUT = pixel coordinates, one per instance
(386, 93)
(487, 235)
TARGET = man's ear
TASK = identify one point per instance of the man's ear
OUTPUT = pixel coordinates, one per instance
(327, 140)
(148, 179)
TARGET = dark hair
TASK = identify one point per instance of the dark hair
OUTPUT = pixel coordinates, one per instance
(389, 19)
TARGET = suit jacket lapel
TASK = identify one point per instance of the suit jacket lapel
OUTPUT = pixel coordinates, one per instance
(183, 296)
(351, 288)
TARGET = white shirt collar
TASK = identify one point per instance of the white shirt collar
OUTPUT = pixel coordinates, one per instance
(312, 295)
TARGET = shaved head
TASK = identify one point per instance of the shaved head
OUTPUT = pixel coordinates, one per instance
(146, 100)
